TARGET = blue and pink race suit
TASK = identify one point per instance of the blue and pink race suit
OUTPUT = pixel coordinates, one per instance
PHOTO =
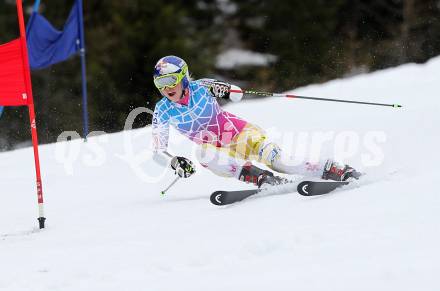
(199, 117)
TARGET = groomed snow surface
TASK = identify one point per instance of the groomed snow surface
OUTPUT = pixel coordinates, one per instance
(109, 229)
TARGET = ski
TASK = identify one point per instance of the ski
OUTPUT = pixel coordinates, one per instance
(229, 197)
(313, 188)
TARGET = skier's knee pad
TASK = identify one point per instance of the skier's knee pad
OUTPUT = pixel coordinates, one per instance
(268, 153)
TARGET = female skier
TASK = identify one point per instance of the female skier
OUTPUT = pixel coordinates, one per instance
(191, 107)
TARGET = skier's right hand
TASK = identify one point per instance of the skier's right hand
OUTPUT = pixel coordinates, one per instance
(182, 167)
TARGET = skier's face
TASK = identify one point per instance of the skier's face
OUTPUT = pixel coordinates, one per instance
(173, 94)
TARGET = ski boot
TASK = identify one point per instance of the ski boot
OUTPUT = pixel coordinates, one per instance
(337, 172)
(259, 177)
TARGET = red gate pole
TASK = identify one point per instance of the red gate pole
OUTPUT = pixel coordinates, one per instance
(28, 83)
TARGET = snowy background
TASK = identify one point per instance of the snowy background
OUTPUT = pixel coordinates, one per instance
(108, 229)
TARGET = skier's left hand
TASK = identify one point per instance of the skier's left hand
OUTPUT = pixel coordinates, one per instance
(182, 167)
(223, 90)
(220, 89)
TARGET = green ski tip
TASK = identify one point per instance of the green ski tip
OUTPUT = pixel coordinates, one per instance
(397, 105)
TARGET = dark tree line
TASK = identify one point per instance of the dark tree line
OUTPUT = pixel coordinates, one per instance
(313, 41)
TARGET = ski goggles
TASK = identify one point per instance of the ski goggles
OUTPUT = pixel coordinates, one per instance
(169, 80)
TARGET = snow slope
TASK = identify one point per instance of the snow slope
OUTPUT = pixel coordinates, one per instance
(109, 229)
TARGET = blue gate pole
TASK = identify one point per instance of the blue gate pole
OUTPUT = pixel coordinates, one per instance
(36, 5)
(82, 52)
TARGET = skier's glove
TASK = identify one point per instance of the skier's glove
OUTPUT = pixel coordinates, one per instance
(182, 167)
(223, 90)
(220, 89)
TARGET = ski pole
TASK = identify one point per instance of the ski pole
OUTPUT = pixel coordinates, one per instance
(171, 185)
(191, 171)
(268, 94)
